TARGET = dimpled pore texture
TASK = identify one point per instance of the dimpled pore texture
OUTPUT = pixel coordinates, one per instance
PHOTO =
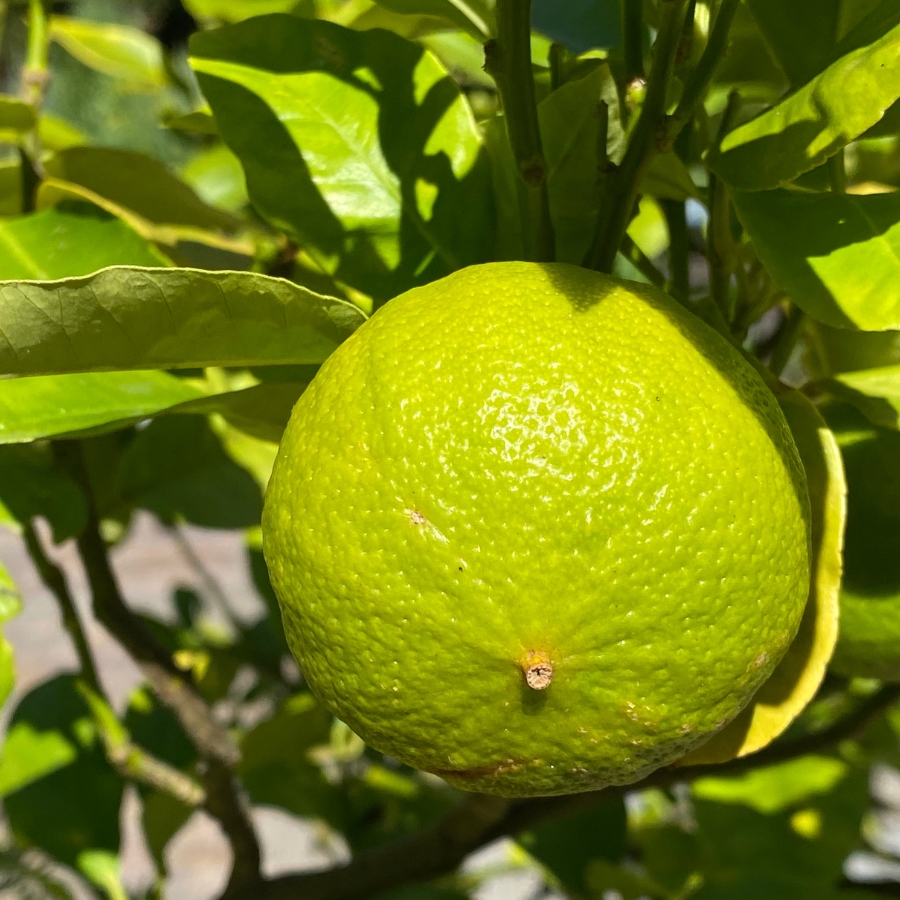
(537, 530)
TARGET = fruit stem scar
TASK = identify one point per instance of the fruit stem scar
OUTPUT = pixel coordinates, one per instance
(538, 670)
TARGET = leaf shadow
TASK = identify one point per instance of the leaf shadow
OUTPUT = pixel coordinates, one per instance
(445, 205)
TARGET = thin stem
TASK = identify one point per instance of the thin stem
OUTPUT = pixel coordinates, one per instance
(126, 757)
(224, 798)
(508, 62)
(35, 77)
(720, 254)
(555, 58)
(837, 173)
(679, 249)
(633, 38)
(479, 820)
(623, 187)
(642, 262)
(700, 78)
(787, 340)
(210, 585)
(56, 583)
(35, 73)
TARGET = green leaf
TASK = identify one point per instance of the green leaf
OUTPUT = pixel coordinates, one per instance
(236, 10)
(70, 239)
(802, 34)
(836, 255)
(875, 392)
(218, 178)
(155, 728)
(52, 751)
(10, 606)
(814, 122)
(10, 598)
(357, 144)
(667, 177)
(870, 591)
(137, 183)
(16, 115)
(177, 469)
(10, 189)
(131, 318)
(31, 486)
(86, 403)
(568, 846)
(775, 788)
(473, 16)
(570, 133)
(116, 50)
(275, 765)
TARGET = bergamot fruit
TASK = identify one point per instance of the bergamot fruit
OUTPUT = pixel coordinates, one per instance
(537, 530)
(869, 640)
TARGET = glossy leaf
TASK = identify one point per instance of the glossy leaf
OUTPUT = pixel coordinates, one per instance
(30, 486)
(836, 255)
(177, 469)
(802, 35)
(70, 239)
(138, 183)
(131, 318)
(34, 408)
(52, 750)
(814, 122)
(358, 144)
(218, 178)
(236, 10)
(777, 787)
(797, 677)
(875, 392)
(116, 50)
(474, 16)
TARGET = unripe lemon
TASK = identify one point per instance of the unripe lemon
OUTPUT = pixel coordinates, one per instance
(537, 530)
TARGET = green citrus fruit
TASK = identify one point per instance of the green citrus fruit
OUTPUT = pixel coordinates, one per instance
(537, 530)
(869, 640)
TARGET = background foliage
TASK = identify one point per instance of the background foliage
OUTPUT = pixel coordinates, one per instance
(228, 188)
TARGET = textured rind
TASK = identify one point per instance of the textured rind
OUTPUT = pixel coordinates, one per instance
(535, 458)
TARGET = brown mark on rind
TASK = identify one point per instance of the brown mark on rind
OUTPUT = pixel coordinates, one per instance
(538, 670)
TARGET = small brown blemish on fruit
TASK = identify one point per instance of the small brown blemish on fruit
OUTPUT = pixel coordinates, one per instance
(416, 517)
(538, 670)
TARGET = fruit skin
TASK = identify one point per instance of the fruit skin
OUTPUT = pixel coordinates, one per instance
(533, 460)
(869, 640)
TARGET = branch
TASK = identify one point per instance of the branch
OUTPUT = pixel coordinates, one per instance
(622, 188)
(127, 758)
(700, 78)
(720, 253)
(480, 819)
(507, 59)
(219, 753)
